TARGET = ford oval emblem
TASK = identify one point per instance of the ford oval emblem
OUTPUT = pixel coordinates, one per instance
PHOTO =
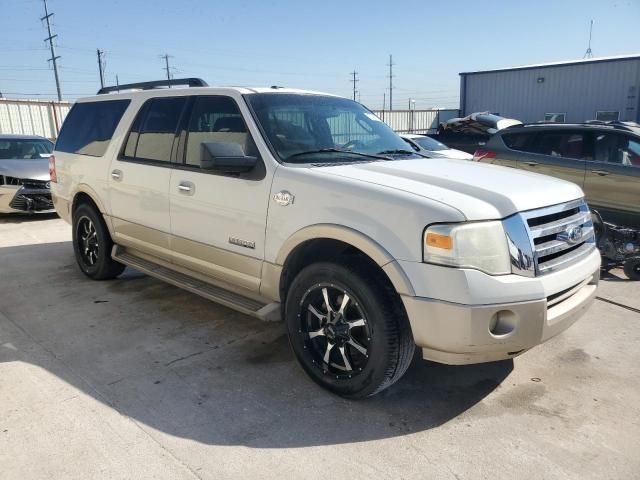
(48, 185)
(572, 235)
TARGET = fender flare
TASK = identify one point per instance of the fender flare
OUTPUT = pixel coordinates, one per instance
(91, 193)
(356, 239)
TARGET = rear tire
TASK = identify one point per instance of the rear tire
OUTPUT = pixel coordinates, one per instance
(632, 268)
(92, 244)
(355, 347)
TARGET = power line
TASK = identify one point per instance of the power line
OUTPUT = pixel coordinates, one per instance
(101, 66)
(354, 81)
(49, 39)
(390, 65)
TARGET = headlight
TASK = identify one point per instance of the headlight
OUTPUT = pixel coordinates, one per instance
(479, 245)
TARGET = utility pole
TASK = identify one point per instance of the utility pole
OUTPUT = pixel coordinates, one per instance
(166, 57)
(354, 81)
(390, 82)
(54, 58)
(117, 83)
(101, 66)
(589, 53)
(384, 101)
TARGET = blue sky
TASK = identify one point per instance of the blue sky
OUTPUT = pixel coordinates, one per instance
(303, 44)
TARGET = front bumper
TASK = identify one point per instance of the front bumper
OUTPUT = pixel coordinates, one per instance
(458, 333)
(16, 199)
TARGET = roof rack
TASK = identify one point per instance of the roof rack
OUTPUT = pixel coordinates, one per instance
(191, 82)
(615, 124)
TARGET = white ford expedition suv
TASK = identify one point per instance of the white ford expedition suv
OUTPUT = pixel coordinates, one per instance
(303, 206)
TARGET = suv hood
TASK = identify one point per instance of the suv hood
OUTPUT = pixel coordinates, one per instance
(32, 169)
(480, 191)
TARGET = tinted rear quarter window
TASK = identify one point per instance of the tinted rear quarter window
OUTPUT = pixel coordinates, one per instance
(518, 141)
(566, 144)
(89, 126)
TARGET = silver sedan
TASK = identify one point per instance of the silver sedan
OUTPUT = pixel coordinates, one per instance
(24, 174)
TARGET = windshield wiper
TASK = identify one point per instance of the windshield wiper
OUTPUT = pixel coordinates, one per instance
(336, 150)
(400, 151)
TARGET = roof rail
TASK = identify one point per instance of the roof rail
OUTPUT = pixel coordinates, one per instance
(191, 82)
(615, 124)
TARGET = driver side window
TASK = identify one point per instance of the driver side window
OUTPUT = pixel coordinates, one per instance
(216, 119)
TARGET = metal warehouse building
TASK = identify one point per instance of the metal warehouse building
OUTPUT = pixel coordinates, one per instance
(604, 88)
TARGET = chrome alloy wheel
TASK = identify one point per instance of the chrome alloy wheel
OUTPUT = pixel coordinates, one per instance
(334, 330)
(87, 239)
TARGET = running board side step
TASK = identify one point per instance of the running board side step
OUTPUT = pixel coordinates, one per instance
(264, 311)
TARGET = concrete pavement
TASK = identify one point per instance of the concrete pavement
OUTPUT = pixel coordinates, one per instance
(133, 378)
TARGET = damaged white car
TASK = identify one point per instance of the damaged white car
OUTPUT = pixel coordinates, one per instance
(24, 174)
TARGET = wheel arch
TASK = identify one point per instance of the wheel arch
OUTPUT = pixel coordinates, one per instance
(324, 242)
(86, 194)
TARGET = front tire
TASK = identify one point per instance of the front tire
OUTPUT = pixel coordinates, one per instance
(348, 330)
(92, 245)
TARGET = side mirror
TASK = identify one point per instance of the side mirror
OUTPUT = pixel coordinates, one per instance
(225, 157)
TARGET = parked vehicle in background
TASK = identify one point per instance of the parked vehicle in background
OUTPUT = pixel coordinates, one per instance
(432, 148)
(24, 174)
(302, 206)
(473, 131)
(603, 158)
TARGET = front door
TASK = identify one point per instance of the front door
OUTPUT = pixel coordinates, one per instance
(218, 220)
(139, 178)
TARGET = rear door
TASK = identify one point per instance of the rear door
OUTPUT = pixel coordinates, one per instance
(510, 148)
(561, 153)
(139, 178)
(218, 220)
(612, 182)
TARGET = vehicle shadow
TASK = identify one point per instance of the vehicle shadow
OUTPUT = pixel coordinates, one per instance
(26, 217)
(187, 367)
(614, 275)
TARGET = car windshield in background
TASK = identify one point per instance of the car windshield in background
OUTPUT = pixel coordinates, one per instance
(24, 148)
(430, 144)
(307, 128)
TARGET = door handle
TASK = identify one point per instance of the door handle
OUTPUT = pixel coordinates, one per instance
(602, 173)
(531, 164)
(116, 174)
(186, 188)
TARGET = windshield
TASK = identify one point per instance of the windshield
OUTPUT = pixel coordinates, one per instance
(24, 148)
(429, 143)
(302, 127)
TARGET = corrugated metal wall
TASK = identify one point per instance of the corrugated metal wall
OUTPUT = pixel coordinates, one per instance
(32, 117)
(579, 90)
(415, 121)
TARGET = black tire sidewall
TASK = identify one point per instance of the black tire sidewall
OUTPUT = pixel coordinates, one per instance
(103, 266)
(371, 300)
(630, 266)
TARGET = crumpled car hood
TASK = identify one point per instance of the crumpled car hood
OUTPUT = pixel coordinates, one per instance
(33, 169)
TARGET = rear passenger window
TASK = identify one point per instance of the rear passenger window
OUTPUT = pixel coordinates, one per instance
(154, 130)
(216, 119)
(561, 144)
(89, 126)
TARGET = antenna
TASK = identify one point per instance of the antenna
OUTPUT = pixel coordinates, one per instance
(589, 53)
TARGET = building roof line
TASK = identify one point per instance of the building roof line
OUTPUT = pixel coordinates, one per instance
(584, 61)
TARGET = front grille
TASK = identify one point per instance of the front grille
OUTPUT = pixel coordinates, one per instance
(25, 182)
(561, 235)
